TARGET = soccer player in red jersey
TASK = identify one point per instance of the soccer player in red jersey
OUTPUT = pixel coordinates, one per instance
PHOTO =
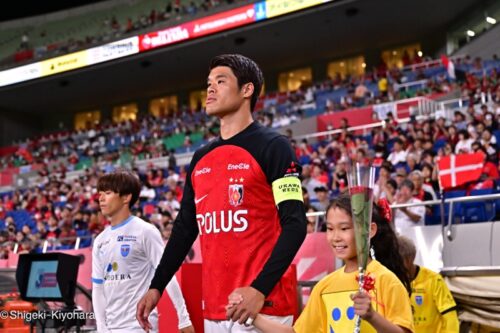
(243, 196)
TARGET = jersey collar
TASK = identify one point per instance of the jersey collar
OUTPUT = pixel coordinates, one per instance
(127, 220)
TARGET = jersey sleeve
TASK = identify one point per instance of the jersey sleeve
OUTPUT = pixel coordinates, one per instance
(442, 296)
(97, 265)
(175, 293)
(450, 322)
(283, 171)
(313, 318)
(98, 299)
(154, 246)
(397, 303)
(183, 235)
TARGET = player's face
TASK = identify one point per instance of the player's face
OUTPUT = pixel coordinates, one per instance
(340, 234)
(223, 94)
(110, 203)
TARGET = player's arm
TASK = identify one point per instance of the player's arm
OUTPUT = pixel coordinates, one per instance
(446, 306)
(175, 293)
(153, 245)
(283, 173)
(98, 298)
(270, 326)
(99, 305)
(184, 234)
(450, 322)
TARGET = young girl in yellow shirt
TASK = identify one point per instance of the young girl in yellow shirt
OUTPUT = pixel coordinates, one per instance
(335, 300)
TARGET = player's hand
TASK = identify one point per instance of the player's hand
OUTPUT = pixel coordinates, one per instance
(252, 302)
(189, 329)
(362, 305)
(147, 303)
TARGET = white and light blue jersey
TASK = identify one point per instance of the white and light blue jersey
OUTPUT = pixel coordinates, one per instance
(124, 259)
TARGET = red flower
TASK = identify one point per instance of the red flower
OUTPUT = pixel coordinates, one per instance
(368, 283)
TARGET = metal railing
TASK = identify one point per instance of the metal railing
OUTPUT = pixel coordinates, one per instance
(424, 109)
(430, 63)
(407, 85)
(53, 243)
(446, 225)
(471, 271)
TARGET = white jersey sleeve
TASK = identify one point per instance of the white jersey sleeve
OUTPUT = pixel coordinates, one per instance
(154, 247)
(98, 298)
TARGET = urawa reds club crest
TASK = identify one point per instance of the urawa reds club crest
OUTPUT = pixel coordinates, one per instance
(235, 193)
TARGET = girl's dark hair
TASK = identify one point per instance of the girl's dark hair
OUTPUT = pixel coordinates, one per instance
(384, 243)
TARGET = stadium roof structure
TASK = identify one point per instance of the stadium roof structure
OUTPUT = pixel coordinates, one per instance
(338, 29)
(19, 9)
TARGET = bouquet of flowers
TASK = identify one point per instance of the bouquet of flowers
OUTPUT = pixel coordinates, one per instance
(361, 182)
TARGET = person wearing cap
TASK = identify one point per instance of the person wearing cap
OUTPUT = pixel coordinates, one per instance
(322, 199)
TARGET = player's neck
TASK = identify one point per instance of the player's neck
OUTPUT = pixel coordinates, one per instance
(414, 272)
(120, 216)
(234, 123)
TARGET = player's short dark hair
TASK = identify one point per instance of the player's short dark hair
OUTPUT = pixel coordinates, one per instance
(407, 248)
(245, 70)
(122, 182)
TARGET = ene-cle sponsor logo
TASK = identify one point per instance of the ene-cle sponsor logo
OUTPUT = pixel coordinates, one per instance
(239, 166)
(202, 171)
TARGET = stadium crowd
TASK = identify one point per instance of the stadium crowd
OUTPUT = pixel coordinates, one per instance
(405, 154)
(112, 28)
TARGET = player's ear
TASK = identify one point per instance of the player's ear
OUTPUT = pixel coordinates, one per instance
(126, 198)
(248, 89)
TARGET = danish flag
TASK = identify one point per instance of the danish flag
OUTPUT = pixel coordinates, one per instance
(455, 170)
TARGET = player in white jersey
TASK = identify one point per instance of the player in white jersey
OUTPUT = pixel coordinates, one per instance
(124, 259)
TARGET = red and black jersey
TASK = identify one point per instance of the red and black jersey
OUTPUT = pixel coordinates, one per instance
(246, 239)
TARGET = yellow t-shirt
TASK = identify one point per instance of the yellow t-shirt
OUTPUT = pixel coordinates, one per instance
(382, 85)
(429, 299)
(330, 308)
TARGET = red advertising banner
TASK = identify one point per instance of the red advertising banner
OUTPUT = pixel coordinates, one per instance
(222, 21)
(163, 37)
(355, 117)
(197, 28)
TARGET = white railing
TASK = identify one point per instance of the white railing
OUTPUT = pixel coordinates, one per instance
(53, 243)
(428, 64)
(424, 109)
(445, 224)
(408, 85)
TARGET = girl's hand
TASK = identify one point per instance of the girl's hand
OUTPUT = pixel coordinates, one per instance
(362, 305)
(232, 300)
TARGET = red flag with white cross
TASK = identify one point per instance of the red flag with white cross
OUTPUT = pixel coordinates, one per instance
(456, 170)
